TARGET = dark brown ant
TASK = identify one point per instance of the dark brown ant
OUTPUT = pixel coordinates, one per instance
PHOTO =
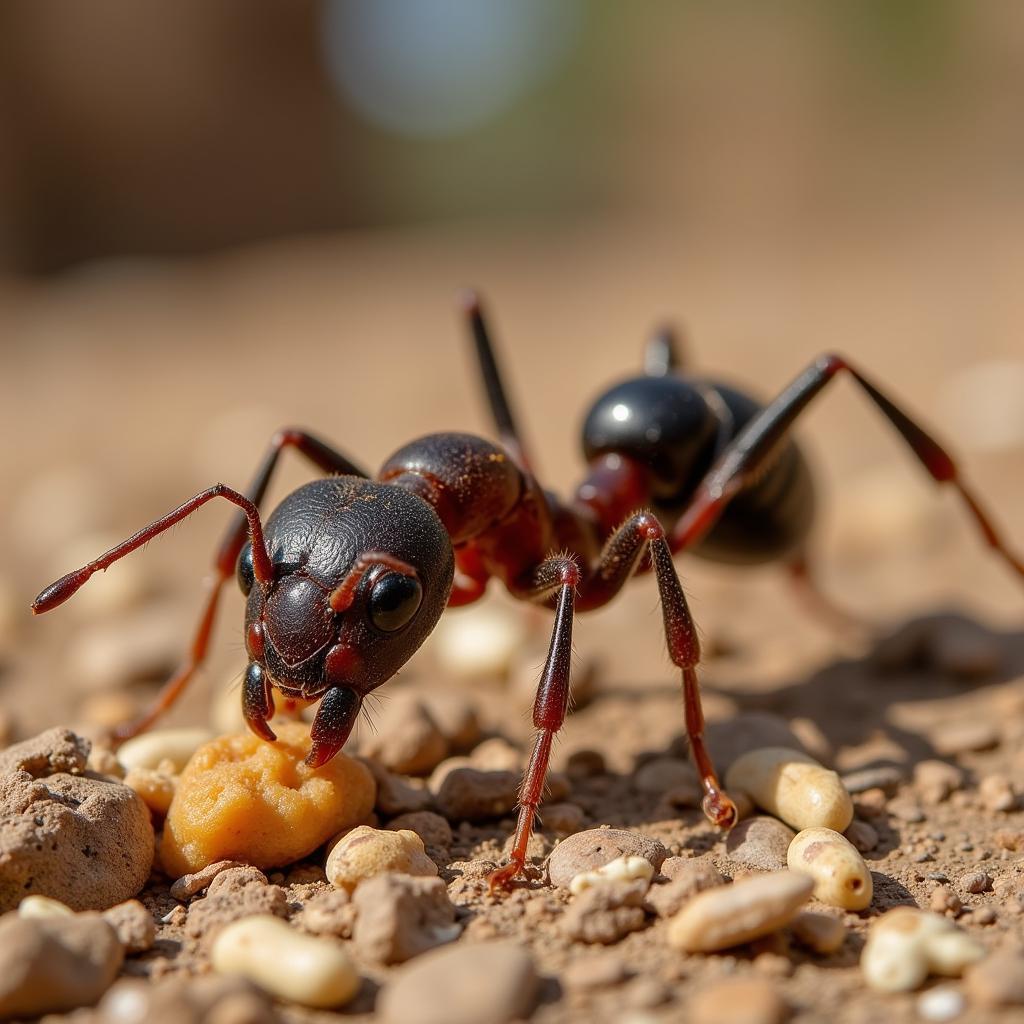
(349, 575)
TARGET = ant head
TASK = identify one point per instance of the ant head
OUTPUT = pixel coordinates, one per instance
(362, 574)
(661, 422)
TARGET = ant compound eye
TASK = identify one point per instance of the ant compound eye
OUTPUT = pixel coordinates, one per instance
(245, 570)
(394, 601)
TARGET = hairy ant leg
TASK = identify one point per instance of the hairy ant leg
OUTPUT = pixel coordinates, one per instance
(751, 451)
(559, 574)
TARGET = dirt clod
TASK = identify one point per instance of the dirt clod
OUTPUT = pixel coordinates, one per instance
(133, 924)
(399, 917)
(467, 794)
(740, 1001)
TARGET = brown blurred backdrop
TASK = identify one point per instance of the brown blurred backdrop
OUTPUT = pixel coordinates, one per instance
(217, 217)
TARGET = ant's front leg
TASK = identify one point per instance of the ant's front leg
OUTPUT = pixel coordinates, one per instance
(549, 707)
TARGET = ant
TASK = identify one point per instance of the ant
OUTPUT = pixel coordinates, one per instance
(349, 574)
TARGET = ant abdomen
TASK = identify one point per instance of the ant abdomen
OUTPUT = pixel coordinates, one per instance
(663, 423)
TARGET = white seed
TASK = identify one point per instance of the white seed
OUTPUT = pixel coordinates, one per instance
(905, 945)
(841, 878)
(152, 748)
(940, 1004)
(622, 870)
(793, 787)
(287, 964)
(727, 916)
(365, 852)
(43, 906)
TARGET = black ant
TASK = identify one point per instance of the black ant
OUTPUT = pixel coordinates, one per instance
(349, 574)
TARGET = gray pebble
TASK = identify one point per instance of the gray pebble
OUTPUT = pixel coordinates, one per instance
(470, 795)
(760, 843)
(399, 917)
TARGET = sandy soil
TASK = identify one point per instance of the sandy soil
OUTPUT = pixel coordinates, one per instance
(131, 390)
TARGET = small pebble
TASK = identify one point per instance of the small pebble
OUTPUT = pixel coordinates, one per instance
(365, 852)
(563, 819)
(906, 810)
(760, 843)
(663, 774)
(821, 933)
(997, 793)
(585, 764)
(430, 827)
(471, 795)
(497, 755)
(863, 836)
(482, 983)
(188, 885)
(399, 917)
(940, 1004)
(976, 882)
(591, 972)
(739, 1001)
(721, 918)
(396, 794)
(455, 716)
(936, 780)
(310, 971)
(156, 787)
(55, 964)
(133, 924)
(887, 778)
(234, 894)
(998, 980)
(586, 851)
(945, 901)
(329, 913)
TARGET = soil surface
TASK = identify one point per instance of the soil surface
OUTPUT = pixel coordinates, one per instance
(934, 674)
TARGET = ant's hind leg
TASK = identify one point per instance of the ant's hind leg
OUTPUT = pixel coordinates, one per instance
(622, 556)
(549, 707)
(752, 449)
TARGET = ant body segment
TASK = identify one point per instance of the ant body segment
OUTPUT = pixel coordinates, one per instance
(350, 574)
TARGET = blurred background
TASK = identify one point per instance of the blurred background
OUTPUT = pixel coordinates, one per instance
(217, 218)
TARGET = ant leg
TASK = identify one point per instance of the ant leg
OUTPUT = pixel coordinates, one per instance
(753, 447)
(662, 357)
(549, 707)
(497, 397)
(57, 593)
(639, 535)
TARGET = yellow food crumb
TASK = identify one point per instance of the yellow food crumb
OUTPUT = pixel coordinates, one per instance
(241, 798)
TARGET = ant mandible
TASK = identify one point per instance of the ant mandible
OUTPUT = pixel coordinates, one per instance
(349, 574)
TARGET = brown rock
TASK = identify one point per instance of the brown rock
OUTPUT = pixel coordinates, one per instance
(233, 894)
(936, 780)
(52, 965)
(470, 795)
(739, 1001)
(431, 828)
(863, 836)
(188, 885)
(329, 913)
(482, 983)
(596, 847)
(87, 842)
(562, 818)
(760, 843)
(396, 795)
(133, 925)
(976, 882)
(400, 916)
(57, 750)
(997, 793)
